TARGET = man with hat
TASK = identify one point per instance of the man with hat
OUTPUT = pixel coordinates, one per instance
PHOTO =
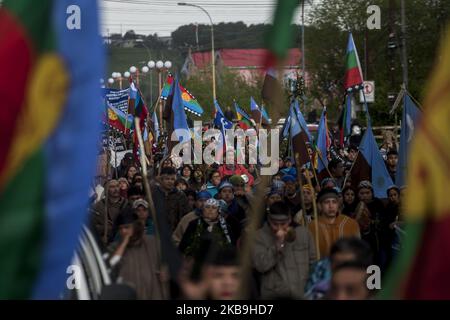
(200, 200)
(291, 195)
(235, 210)
(283, 255)
(374, 209)
(243, 198)
(140, 207)
(210, 225)
(332, 224)
(301, 218)
(107, 212)
(136, 259)
(174, 201)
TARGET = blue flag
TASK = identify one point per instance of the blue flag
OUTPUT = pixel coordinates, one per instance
(322, 142)
(286, 125)
(264, 114)
(117, 98)
(348, 115)
(179, 117)
(220, 121)
(302, 120)
(410, 117)
(381, 180)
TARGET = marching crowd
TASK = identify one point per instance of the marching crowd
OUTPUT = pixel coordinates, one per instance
(185, 238)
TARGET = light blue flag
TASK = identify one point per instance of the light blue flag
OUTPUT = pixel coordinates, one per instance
(381, 180)
(179, 116)
(322, 142)
(302, 120)
(410, 118)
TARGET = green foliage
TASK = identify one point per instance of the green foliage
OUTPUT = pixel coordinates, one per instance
(230, 86)
(326, 43)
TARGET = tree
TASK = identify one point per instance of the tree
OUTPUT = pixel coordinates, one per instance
(326, 43)
(129, 35)
(230, 87)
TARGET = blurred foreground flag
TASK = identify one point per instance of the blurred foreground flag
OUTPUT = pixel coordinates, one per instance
(278, 41)
(49, 125)
(422, 269)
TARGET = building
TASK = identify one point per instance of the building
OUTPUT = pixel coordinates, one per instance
(246, 62)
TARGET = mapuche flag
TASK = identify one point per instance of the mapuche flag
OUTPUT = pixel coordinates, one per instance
(421, 269)
(49, 132)
(190, 103)
(244, 120)
(118, 120)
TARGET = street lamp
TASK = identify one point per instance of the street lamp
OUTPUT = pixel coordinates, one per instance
(212, 43)
(167, 64)
(160, 65)
(126, 74)
(117, 76)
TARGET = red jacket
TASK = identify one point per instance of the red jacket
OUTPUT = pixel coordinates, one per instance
(239, 169)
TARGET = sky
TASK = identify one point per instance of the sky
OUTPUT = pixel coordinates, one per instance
(164, 16)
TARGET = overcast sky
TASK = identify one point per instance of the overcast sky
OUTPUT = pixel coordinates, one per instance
(164, 16)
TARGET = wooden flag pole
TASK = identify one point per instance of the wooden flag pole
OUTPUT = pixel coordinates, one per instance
(326, 167)
(350, 171)
(257, 211)
(316, 217)
(299, 179)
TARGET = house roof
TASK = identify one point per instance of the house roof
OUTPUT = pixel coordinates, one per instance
(243, 57)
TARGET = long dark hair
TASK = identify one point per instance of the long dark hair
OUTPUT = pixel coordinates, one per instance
(349, 208)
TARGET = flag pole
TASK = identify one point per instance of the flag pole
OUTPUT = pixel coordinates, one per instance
(323, 162)
(148, 193)
(351, 168)
(299, 179)
(316, 216)
(108, 159)
(257, 211)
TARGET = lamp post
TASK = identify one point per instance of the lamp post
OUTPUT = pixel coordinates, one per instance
(213, 63)
(151, 65)
(134, 70)
(159, 65)
(117, 76)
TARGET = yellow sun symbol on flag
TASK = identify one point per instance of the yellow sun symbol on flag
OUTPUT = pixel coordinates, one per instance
(186, 96)
(112, 115)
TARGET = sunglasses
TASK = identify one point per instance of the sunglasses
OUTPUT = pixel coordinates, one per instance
(210, 206)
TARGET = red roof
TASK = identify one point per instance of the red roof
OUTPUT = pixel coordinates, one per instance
(243, 57)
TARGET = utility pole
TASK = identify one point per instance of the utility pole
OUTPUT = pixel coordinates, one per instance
(303, 40)
(366, 53)
(404, 55)
(196, 36)
(392, 45)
